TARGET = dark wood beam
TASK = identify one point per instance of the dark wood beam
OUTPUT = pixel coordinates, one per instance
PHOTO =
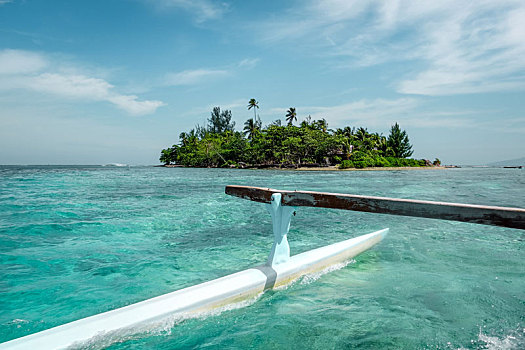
(478, 214)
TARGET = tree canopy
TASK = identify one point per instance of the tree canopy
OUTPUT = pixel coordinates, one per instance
(251, 126)
(220, 122)
(398, 142)
(220, 145)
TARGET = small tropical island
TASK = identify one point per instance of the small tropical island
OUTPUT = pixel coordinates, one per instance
(311, 144)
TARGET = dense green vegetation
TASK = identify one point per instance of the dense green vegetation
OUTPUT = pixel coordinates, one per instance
(311, 143)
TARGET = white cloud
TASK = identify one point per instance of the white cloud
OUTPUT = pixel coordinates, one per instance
(21, 62)
(380, 114)
(193, 77)
(76, 86)
(372, 113)
(130, 104)
(203, 10)
(248, 63)
(474, 50)
(204, 75)
(26, 70)
(452, 47)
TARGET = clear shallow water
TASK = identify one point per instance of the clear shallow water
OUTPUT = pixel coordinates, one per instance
(76, 241)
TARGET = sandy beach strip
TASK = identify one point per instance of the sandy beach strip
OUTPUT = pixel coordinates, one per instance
(329, 168)
(335, 168)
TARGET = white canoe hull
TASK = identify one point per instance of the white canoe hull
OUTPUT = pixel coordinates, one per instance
(194, 300)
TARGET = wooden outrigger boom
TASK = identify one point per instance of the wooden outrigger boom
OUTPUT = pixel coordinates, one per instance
(478, 214)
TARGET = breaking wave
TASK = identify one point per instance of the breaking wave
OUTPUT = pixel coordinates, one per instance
(513, 341)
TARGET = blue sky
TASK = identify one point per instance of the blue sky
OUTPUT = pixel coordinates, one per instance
(95, 82)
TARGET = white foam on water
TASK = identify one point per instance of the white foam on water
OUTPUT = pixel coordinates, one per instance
(18, 322)
(160, 327)
(116, 165)
(285, 286)
(513, 341)
(229, 307)
(312, 277)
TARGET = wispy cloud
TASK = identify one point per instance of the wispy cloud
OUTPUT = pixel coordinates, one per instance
(248, 63)
(21, 62)
(453, 47)
(194, 77)
(132, 105)
(32, 71)
(202, 10)
(382, 113)
(372, 113)
(472, 49)
(204, 75)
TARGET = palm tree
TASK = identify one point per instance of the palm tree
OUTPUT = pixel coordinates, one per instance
(382, 144)
(361, 134)
(183, 137)
(349, 132)
(251, 126)
(253, 104)
(291, 115)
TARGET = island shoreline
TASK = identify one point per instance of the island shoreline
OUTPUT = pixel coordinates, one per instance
(328, 168)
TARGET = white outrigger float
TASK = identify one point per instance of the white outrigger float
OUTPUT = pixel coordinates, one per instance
(280, 269)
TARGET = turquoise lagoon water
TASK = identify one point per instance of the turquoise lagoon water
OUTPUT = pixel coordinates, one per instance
(77, 241)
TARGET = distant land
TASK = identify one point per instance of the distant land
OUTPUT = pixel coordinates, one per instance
(510, 162)
(311, 144)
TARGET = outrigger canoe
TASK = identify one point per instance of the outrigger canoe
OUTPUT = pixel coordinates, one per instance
(280, 268)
